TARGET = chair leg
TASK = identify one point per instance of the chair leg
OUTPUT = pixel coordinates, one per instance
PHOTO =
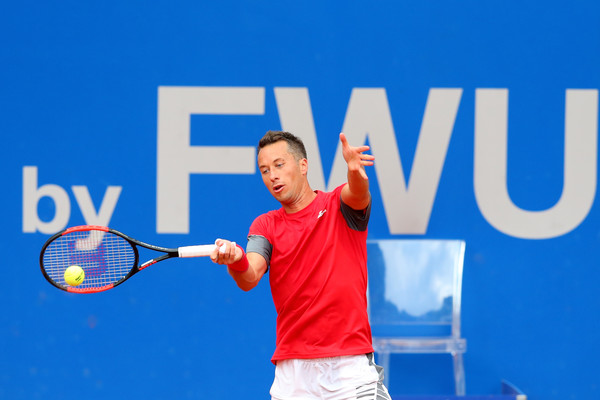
(385, 363)
(459, 374)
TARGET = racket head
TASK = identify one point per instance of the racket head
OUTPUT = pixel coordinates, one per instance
(106, 256)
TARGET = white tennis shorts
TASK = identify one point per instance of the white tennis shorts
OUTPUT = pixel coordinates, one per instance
(333, 378)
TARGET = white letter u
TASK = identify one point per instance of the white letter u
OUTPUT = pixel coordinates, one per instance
(580, 165)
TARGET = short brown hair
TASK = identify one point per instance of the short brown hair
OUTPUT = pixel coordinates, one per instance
(295, 145)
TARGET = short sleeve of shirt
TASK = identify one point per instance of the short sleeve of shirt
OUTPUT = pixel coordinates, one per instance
(356, 219)
(259, 237)
(259, 244)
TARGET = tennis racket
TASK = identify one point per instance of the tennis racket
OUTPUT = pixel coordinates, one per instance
(106, 256)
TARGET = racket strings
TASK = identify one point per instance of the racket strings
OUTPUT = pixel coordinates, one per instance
(105, 258)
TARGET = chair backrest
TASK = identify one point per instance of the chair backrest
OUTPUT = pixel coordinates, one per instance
(415, 286)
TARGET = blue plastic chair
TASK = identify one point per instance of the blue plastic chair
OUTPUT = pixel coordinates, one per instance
(415, 299)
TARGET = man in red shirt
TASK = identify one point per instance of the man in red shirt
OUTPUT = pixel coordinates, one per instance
(314, 247)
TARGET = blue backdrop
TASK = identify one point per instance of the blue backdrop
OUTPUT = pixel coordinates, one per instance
(482, 116)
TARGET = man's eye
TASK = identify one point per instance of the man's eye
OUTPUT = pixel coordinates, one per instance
(264, 171)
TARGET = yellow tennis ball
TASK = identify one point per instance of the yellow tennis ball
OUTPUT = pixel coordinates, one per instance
(74, 275)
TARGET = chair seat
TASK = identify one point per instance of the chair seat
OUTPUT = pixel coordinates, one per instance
(419, 345)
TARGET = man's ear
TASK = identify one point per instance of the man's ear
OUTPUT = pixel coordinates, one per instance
(303, 166)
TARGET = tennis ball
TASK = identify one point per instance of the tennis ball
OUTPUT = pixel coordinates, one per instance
(74, 275)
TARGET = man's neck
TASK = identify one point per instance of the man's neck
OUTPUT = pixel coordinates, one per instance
(306, 197)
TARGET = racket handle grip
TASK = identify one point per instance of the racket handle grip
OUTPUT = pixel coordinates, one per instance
(203, 250)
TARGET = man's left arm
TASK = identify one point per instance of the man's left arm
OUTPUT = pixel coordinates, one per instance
(356, 193)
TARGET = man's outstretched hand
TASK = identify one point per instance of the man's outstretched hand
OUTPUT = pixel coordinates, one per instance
(355, 158)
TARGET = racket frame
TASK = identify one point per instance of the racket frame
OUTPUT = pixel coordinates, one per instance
(134, 243)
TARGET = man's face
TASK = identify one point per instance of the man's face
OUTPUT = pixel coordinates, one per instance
(281, 173)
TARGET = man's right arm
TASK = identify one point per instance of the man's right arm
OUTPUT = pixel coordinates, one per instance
(257, 267)
(234, 257)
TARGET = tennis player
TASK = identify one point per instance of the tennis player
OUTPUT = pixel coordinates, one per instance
(314, 248)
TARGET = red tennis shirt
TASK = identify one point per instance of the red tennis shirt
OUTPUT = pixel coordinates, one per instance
(318, 274)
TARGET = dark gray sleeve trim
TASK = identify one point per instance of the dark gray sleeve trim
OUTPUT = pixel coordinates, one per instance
(356, 219)
(260, 244)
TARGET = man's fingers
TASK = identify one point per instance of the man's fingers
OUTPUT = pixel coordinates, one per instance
(232, 249)
(224, 252)
(343, 140)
